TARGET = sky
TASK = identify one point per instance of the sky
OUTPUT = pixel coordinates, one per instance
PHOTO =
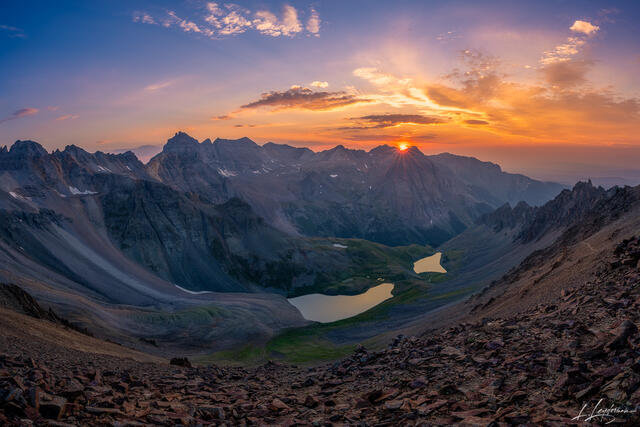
(552, 91)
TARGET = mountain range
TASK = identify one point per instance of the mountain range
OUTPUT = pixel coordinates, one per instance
(220, 232)
(385, 195)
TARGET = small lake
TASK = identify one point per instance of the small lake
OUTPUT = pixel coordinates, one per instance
(329, 308)
(430, 264)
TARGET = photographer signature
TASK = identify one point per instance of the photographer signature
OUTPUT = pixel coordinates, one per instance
(602, 414)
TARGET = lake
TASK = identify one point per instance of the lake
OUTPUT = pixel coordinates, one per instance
(329, 308)
(430, 264)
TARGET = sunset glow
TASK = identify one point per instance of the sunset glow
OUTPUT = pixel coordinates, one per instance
(403, 146)
(473, 80)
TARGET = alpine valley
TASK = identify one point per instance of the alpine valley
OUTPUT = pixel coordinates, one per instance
(192, 256)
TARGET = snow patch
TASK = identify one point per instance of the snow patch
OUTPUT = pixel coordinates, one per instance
(77, 192)
(226, 173)
(192, 292)
(333, 175)
(103, 169)
(17, 196)
(338, 245)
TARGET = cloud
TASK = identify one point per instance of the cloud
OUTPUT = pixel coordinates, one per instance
(23, 112)
(572, 46)
(381, 121)
(230, 19)
(268, 24)
(563, 106)
(224, 117)
(607, 15)
(229, 22)
(187, 26)
(143, 18)
(448, 36)
(320, 84)
(584, 27)
(563, 52)
(377, 77)
(567, 73)
(53, 108)
(13, 32)
(157, 86)
(67, 117)
(412, 139)
(298, 97)
(313, 23)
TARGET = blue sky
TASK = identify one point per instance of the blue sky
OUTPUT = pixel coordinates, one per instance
(491, 79)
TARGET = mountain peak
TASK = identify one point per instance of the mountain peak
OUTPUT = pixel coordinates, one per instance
(180, 142)
(415, 151)
(28, 147)
(243, 140)
(382, 149)
(74, 149)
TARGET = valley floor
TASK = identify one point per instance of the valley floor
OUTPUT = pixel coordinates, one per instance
(537, 367)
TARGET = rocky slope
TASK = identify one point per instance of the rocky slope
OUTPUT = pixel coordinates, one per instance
(553, 363)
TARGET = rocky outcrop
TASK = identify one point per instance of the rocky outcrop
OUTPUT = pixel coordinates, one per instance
(567, 208)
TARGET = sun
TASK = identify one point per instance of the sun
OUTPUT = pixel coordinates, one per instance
(403, 146)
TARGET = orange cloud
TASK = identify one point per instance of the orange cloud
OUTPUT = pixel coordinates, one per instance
(305, 98)
(381, 121)
(584, 27)
(67, 117)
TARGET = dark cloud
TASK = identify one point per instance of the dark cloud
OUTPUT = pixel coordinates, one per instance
(476, 122)
(225, 117)
(23, 112)
(567, 74)
(390, 138)
(381, 121)
(305, 98)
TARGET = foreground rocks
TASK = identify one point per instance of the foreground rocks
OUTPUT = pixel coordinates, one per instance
(540, 367)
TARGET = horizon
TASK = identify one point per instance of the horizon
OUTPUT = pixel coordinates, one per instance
(551, 93)
(145, 153)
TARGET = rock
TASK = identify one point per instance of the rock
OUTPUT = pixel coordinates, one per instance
(278, 405)
(310, 402)
(180, 361)
(308, 382)
(102, 411)
(624, 331)
(52, 406)
(418, 383)
(393, 404)
(212, 412)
